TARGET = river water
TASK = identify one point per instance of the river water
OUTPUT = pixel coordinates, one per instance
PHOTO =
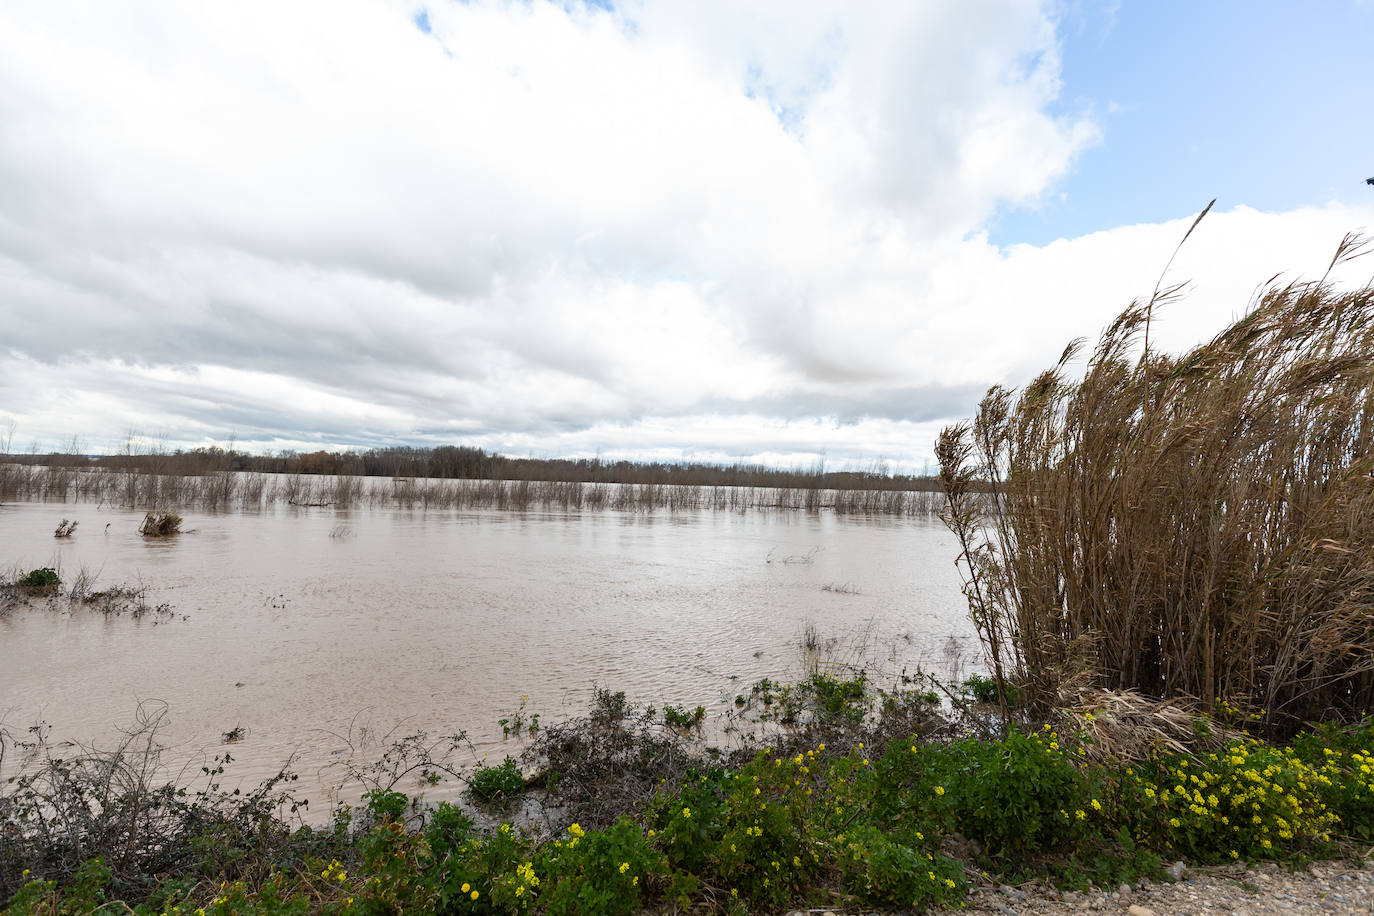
(317, 629)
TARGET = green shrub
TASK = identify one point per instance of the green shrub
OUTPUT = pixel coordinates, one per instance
(882, 871)
(837, 698)
(448, 829)
(1019, 795)
(605, 872)
(386, 805)
(44, 577)
(681, 717)
(1250, 800)
(1344, 760)
(501, 781)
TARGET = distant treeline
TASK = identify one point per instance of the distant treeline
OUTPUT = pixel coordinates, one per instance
(456, 462)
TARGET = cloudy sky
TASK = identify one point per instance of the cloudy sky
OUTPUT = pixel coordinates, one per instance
(773, 230)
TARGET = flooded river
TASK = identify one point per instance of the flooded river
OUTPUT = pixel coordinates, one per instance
(307, 626)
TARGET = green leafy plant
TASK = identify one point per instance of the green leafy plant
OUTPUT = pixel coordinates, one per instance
(490, 783)
(682, 718)
(44, 577)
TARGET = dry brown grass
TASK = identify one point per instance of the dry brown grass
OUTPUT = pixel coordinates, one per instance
(1199, 526)
(160, 525)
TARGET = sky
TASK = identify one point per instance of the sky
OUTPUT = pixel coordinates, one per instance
(763, 231)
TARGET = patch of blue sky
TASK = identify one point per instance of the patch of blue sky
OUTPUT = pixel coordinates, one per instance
(1259, 103)
(421, 20)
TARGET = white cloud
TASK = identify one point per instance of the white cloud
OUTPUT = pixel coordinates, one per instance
(735, 229)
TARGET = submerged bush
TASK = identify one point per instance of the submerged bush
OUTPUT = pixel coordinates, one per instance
(160, 525)
(44, 577)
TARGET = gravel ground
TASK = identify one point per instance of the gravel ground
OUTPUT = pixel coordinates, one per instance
(1265, 890)
(1325, 887)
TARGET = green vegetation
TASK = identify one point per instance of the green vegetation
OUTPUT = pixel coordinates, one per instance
(497, 782)
(681, 717)
(45, 577)
(836, 812)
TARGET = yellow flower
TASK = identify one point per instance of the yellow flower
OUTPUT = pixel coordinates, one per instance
(474, 895)
(1097, 805)
(624, 867)
(939, 790)
(466, 887)
(686, 812)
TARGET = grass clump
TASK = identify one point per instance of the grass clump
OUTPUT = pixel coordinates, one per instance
(1194, 526)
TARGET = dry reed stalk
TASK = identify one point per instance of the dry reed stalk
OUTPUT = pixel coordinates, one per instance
(1194, 526)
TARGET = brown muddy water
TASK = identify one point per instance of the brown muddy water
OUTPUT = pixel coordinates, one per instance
(317, 630)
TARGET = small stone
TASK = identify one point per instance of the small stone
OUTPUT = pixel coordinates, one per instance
(1176, 871)
(1123, 889)
(1138, 910)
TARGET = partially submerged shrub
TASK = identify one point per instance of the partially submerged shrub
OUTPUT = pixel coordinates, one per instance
(43, 578)
(680, 717)
(160, 525)
(65, 529)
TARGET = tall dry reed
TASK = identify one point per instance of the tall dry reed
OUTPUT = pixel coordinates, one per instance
(1199, 526)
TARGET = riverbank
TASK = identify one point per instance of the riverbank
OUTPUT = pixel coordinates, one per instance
(835, 793)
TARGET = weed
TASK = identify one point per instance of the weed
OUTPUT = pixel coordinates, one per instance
(680, 717)
(500, 782)
(520, 721)
(65, 529)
